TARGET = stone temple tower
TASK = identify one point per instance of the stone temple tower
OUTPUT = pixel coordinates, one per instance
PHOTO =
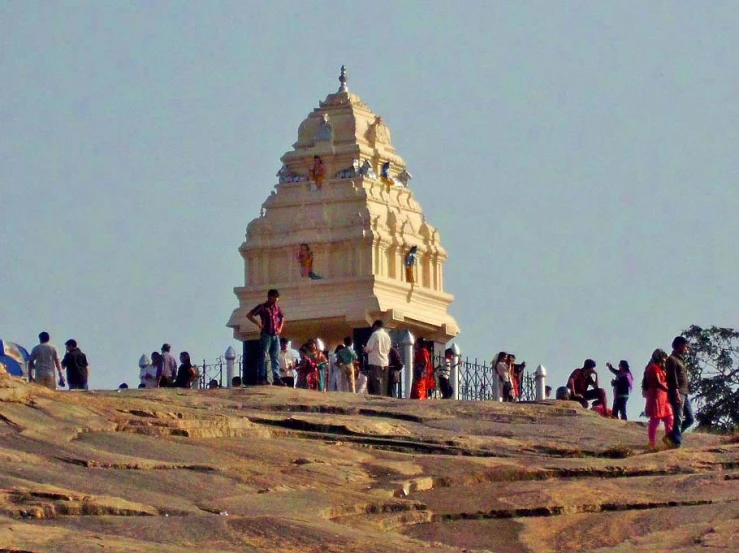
(343, 238)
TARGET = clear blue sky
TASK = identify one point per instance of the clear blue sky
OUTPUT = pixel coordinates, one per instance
(590, 148)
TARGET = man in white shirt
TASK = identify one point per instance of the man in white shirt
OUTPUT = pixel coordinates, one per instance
(43, 359)
(377, 350)
(287, 364)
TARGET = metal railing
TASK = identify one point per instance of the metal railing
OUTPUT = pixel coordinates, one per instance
(477, 379)
(216, 370)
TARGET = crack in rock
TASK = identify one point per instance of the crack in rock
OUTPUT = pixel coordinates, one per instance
(556, 510)
(90, 463)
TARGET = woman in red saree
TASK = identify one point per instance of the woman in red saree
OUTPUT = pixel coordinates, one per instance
(422, 371)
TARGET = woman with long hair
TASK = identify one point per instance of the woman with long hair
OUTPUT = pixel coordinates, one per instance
(186, 373)
(658, 407)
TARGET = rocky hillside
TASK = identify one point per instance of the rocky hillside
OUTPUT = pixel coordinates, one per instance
(274, 469)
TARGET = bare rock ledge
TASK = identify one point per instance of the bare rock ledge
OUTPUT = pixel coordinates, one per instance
(281, 470)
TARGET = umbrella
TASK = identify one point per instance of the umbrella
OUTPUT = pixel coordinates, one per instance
(13, 358)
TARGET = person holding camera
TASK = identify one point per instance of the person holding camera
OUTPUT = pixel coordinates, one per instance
(622, 385)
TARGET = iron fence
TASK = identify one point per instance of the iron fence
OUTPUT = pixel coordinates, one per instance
(216, 370)
(477, 379)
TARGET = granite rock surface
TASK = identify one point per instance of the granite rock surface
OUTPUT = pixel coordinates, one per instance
(282, 470)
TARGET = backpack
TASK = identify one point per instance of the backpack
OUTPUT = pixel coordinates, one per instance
(644, 383)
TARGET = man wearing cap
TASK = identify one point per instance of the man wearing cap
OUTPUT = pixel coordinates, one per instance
(76, 364)
(579, 382)
(44, 358)
(678, 390)
(270, 327)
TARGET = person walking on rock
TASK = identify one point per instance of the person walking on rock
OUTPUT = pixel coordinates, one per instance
(75, 362)
(658, 407)
(270, 326)
(377, 350)
(677, 382)
(43, 359)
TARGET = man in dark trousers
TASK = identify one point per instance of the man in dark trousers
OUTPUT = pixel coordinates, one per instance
(678, 390)
(76, 364)
(270, 327)
(583, 385)
(378, 351)
(394, 368)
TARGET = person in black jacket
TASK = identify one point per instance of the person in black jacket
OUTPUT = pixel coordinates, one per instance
(622, 385)
(677, 383)
(186, 373)
(76, 364)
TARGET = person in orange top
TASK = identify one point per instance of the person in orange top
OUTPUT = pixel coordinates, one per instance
(421, 371)
(317, 172)
(658, 406)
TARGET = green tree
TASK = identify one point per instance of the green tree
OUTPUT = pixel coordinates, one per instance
(713, 360)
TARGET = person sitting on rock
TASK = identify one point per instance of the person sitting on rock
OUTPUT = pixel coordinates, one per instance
(582, 379)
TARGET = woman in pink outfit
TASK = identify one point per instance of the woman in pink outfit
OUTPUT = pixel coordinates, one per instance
(658, 405)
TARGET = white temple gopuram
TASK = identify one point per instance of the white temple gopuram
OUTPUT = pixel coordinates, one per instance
(336, 237)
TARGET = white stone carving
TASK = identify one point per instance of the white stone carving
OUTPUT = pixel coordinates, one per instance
(325, 131)
(285, 175)
(349, 172)
(405, 177)
(367, 171)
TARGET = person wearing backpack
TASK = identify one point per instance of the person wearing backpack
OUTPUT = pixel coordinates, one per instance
(622, 385)
(75, 362)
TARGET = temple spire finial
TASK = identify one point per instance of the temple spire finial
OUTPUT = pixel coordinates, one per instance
(343, 80)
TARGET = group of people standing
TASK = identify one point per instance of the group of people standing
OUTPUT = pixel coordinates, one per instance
(510, 374)
(341, 370)
(44, 360)
(162, 371)
(664, 386)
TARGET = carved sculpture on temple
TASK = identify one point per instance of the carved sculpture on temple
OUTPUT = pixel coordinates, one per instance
(352, 252)
(318, 172)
